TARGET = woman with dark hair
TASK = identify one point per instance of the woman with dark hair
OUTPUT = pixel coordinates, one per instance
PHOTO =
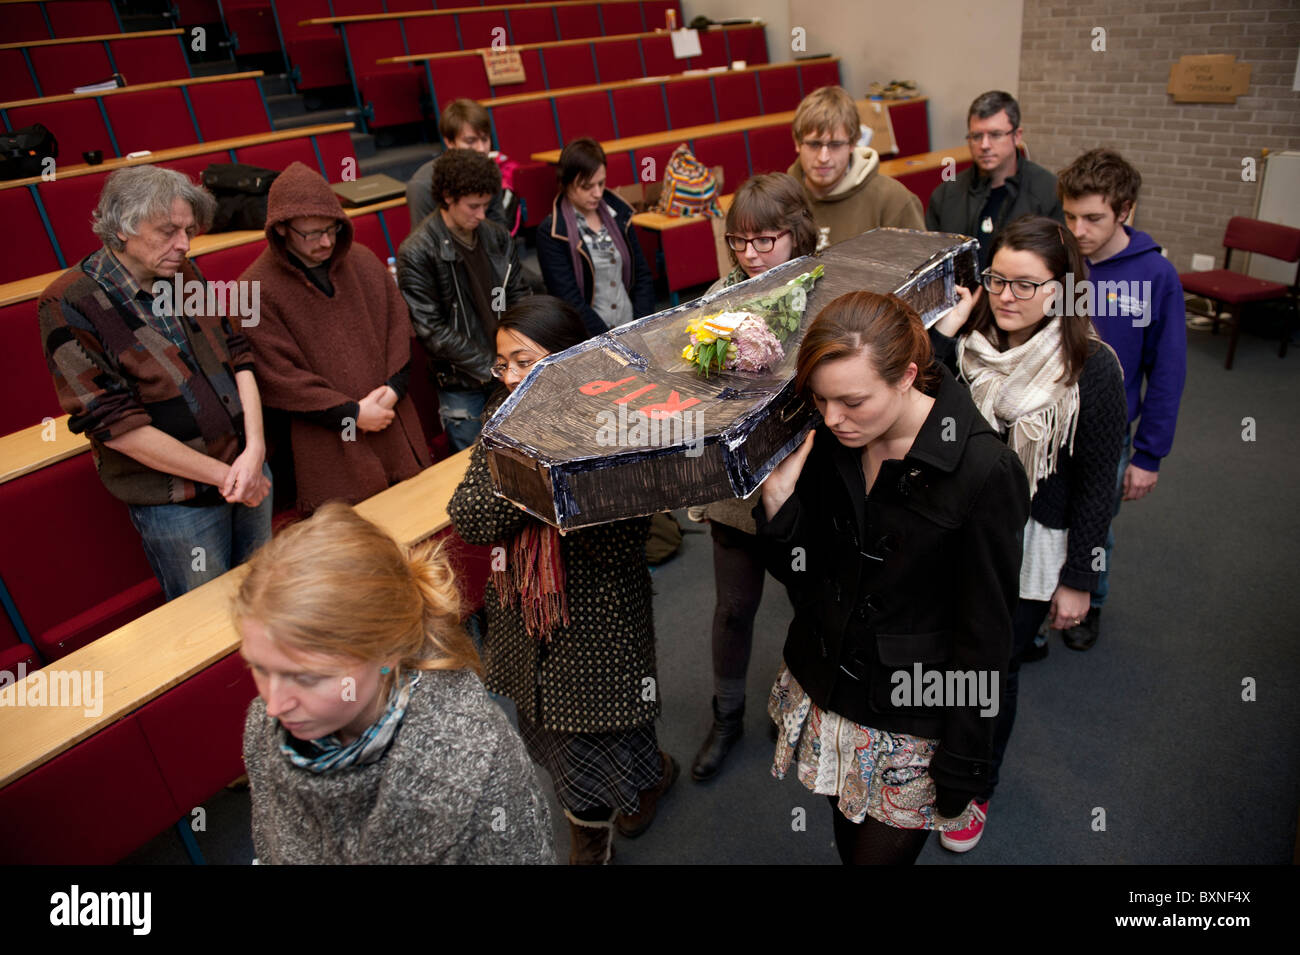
(768, 224)
(570, 633)
(586, 248)
(1041, 375)
(896, 527)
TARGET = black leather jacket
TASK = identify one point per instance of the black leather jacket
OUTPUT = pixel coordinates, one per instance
(924, 571)
(434, 283)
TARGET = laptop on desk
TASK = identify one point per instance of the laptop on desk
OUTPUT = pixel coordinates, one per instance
(368, 190)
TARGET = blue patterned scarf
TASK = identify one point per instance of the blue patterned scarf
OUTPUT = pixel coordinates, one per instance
(329, 754)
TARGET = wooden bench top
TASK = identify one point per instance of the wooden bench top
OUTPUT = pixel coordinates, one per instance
(451, 11)
(642, 81)
(30, 449)
(866, 110)
(181, 152)
(552, 44)
(96, 38)
(154, 653)
(160, 85)
(658, 222)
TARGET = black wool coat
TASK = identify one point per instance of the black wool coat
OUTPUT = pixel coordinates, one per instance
(925, 569)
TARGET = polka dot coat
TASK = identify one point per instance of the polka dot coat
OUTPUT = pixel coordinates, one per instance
(597, 674)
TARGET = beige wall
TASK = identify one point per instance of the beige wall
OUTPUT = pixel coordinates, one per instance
(775, 13)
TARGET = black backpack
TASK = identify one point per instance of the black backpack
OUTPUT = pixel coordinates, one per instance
(241, 192)
(23, 153)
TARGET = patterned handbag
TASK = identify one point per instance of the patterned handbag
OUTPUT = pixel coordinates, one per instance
(689, 188)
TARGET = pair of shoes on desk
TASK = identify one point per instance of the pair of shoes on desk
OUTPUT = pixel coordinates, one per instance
(634, 824)
(1085, 634)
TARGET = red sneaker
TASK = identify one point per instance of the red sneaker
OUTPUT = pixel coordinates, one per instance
(964, 840)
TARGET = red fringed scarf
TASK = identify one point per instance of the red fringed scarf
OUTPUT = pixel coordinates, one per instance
(535, 578)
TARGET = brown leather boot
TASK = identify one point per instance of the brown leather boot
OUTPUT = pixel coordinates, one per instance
(638, 822)
(590, 843)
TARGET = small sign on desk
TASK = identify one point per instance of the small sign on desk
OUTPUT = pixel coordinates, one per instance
(504, 66)
(686, 43)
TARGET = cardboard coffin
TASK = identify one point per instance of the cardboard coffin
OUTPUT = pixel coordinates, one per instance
(622, 426)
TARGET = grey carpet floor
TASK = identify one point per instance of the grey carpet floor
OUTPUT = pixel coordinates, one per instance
(1148, 732)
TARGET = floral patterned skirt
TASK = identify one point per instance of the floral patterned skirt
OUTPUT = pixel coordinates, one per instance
(874, 773)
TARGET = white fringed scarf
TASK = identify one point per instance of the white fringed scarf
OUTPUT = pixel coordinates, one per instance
(1019, 392)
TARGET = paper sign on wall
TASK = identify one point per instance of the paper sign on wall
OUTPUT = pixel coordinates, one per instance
(504, 66)
(1212, 78)
(686, 43)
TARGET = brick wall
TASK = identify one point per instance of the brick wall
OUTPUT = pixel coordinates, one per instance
(1190, 155)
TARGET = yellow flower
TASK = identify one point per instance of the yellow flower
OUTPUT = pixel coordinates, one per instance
(689, 352)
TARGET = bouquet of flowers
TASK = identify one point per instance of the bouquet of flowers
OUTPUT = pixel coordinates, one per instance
(750, 336)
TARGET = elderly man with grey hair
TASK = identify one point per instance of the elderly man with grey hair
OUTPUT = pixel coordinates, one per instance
(163, 389)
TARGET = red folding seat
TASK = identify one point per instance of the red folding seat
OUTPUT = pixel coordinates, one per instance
(690, 103)
(618, 60)
(29, 392)
(151, 119)
(192, 166)
(455, 77)
(778, 88)
(63, 67)
(150, 59)
(728, 151)
(115, 772)
(357, 8)
(746, 43)
(690, 255)
(24, 22)
(534, 78)
(228, 109)
(397, 223)
(420, 6)
(226, 265)
(196, 730)
(771, 149)
(69, 202)
(430, 34)
(654, 12)
(657, 55)
(367, 230)
(713, 51)
(193, 12)
(923, 183)
(14, 652)
(584, 114)
(478, 29)
(623, 18)
(67, 501)
(337, 155)
(314, 52)
(619, 170)
(253, 21)
(82, 17)
(911, 122)
(525, 128)
(15, 78)
(737, 95)
(392, 90)
(280, 155)
(814, 76)
(639, 109)
(578, 22)
(77, 124)
(571, 66)
(535, 25)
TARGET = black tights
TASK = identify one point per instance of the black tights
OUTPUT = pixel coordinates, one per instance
(875, 843)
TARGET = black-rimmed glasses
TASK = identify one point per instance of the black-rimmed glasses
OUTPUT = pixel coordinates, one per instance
(762, 243)
(1020, 288)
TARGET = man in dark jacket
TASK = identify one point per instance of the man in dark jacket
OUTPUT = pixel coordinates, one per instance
(1001, 186)
(458, 272)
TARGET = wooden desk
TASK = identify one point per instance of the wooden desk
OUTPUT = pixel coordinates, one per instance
(866, 110)
(182, 152)
(96, 38)
(149, 656)
(139, 87)
(658, 222)
(923, 161)
(28, 450)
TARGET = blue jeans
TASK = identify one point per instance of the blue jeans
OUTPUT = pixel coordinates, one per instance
(1103, 583)
(460, 412)
(188, 546)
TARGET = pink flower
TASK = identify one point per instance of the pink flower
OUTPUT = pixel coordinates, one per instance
(757, 349)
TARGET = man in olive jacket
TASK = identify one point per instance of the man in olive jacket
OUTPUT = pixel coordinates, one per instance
(1001, 185)
(458, 272)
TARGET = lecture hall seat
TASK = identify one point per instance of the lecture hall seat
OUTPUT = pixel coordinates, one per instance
(579, 22)
(77, 125)
(617, 60)
(574, 66)
(584, 114)
(150, 59)
(33, 256)
(640, 109)
(29, 392)
(535, 25)
(82, 17)
(737, 95)
(15, 78)
(151, 119)
(63, 67)
(690, 102)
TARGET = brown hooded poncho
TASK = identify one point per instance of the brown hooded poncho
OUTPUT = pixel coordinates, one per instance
(315, 352)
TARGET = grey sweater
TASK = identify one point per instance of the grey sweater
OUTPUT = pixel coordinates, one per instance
(456, 786)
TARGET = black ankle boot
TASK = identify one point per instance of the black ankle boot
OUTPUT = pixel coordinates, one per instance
(726, 729)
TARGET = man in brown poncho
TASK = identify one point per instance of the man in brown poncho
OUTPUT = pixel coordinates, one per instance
(333, 346)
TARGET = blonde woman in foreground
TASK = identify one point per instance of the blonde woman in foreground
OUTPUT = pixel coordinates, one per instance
(372, 739)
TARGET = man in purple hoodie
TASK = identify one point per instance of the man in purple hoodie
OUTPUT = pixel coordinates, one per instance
(1137, 307)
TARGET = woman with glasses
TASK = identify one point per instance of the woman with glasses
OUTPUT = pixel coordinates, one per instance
(570, 635)
(332, 341)
(1041, 375)
(587, 250)
(768, 224)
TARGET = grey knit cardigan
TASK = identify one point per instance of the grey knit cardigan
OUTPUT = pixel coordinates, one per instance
(456, 786)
